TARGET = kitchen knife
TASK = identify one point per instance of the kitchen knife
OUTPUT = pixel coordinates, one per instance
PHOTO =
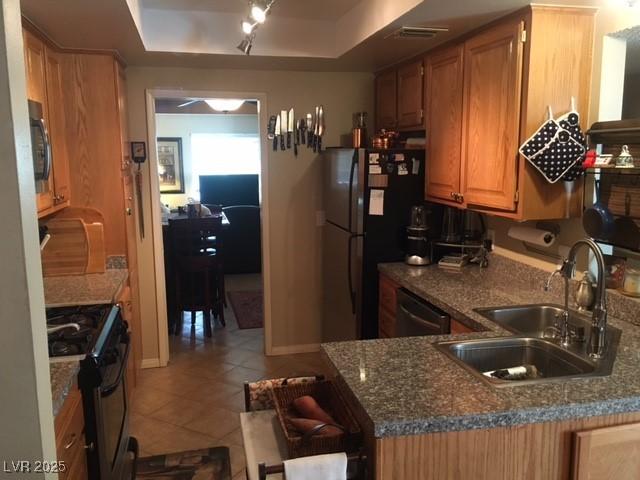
(309, 129)
(277, 134)
(271, 128)
(320, 127)
(290, 126)
(302, 126)
(316, 125)
(283, 126)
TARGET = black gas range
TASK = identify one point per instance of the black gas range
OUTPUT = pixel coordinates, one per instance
(98, 337)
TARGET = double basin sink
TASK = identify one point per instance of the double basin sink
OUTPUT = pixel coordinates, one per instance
(545, 359)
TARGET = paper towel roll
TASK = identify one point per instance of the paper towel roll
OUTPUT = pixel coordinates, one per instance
(533, 236)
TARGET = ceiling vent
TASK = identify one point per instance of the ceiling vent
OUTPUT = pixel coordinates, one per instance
(417, 32)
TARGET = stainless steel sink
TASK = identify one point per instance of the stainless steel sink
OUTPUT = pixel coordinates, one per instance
(531, 320)
(551, 361)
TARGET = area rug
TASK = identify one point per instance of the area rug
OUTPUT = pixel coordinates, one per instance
(206, 464)
(247, 307)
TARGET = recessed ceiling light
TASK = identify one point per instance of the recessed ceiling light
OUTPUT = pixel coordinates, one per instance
(224, 104)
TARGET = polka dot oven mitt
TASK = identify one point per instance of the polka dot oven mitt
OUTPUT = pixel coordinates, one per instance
(571, 123)
(555, 151)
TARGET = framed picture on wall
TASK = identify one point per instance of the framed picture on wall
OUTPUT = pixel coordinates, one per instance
(170, 165)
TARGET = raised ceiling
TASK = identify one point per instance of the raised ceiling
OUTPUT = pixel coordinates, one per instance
(333, 35)
(310, 9)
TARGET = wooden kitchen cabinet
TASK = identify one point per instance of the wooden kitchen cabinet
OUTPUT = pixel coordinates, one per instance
(411, 96)
(44, 85)
(611, 452)
(70, 441)
(387, 100)
(443, 106)
(34, 59)
(458, 328)
(387, 297)
(491, 116)
(512, 72)
(57, 129)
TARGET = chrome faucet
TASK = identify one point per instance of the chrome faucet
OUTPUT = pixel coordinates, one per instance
(57, 328)
(597, 339)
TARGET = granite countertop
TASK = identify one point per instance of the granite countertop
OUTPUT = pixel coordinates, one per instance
(407, 387)
(63, 377)
(93, 288)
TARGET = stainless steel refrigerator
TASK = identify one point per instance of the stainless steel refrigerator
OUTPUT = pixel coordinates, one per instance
(363, 230)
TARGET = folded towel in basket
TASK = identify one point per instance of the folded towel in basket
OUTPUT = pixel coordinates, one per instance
(332, 466)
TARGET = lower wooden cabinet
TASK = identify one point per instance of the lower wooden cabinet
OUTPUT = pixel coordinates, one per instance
(70, 441)
(611, 452)
(458, 328)
(387, 297)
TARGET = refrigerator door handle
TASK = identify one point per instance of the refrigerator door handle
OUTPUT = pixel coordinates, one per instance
(354, 163)
(352, 293)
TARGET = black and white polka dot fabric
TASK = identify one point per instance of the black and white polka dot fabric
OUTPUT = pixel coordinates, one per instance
(539, 140)
(571, 123)
(557, 148)
(559, 157)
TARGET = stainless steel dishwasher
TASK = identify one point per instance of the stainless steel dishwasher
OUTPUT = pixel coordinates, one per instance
(415, 317)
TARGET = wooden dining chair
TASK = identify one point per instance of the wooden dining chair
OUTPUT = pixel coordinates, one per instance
(198, 268)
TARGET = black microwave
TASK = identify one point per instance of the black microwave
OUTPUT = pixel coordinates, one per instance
(40, 145)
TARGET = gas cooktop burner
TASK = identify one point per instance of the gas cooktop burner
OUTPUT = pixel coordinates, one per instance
(70, 341)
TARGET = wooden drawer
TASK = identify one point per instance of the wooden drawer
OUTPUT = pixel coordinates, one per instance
(387, 289)
(458, 328)
(386, 324)
(70, 442)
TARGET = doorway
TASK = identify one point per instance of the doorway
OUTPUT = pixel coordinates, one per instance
(207, 148)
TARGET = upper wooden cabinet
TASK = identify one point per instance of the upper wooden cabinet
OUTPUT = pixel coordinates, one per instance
(511, 73)
(400, 98)
(410, 96)
(491, 116)
(386, 100)
(443, 106)
(34, 60)
(44, 85)
(57, 129)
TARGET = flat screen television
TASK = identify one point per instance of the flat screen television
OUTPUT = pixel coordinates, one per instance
(229, 190)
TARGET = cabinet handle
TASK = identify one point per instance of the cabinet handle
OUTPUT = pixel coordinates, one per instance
(71, 442)
(90, 447)
(129, 211)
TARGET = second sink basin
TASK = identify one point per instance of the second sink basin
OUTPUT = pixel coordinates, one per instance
(530, 320)
(551, 361)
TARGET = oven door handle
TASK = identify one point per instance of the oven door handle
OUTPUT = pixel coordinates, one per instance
(109, 389)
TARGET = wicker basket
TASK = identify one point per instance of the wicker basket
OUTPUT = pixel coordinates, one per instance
(328, 397)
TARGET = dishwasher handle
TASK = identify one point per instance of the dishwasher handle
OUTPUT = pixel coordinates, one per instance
(420, 321)
(416, 316)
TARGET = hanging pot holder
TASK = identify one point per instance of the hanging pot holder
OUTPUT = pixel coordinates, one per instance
(571, 123)
(541, 139)
(559, 157)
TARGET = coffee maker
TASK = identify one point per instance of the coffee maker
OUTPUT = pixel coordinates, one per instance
(417, 244)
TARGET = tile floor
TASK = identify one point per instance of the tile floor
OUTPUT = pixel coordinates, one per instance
(194, 402)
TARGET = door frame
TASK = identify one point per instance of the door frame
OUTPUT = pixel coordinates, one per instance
(158, 245)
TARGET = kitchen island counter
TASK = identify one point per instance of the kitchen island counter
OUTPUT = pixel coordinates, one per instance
(405, 386)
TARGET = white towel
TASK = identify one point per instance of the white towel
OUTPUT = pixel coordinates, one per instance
(318, 467)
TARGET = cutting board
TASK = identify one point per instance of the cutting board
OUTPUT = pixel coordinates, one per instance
(75, 248)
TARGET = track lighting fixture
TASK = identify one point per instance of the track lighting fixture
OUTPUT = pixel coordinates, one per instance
(259, 9)
(248, 26)
(246, 44)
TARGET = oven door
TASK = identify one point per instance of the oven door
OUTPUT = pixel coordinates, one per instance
(112, 415)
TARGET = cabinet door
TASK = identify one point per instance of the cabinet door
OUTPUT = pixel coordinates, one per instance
(34, 59)
(386, 100)
(611, 452)
(410, 96)
(57, 128)
(491, 116)
(444, 84)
